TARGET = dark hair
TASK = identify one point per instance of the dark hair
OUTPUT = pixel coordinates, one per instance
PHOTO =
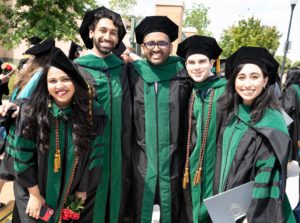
(29, 70)
(293, 76)
(230, 100)
(106, 14)
(37, 116)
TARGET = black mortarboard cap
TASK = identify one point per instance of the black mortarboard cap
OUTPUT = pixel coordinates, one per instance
(119, 50)
(199, 45)
(34, 40)
(255, 55)
(41, 48)
(89, 18)
(156, 24)
(61, 61)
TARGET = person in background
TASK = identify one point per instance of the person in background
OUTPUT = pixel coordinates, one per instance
(254, 144)
(4, 78)
(28, 76)
(102, 30)
(32, 41)
(57, 142)
(160, 88)
(200, 54)
(291, 104)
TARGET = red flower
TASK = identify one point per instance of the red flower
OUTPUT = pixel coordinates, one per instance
(7, 68)
(68, 214)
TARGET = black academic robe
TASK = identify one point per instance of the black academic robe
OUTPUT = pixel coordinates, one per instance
(291, 104)
(160, 101)
(109, 77)
(194, 194)
(31, 166)
(256, 152)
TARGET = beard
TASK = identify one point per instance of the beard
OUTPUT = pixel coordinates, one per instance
(101, 49)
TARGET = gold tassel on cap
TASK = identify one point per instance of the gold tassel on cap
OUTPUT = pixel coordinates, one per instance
(57, 160)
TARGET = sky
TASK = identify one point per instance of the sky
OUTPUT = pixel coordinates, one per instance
(223, 14)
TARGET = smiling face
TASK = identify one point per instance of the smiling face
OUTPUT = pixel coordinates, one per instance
(199, 67)
(250, 82)
(158, 54)
(105, 37)
(60, 87)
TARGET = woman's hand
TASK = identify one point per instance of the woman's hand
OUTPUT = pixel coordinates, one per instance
(81, 195)
(4, 78)
(35, 202)
(9, 105)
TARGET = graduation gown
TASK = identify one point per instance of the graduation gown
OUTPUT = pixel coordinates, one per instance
(112, 92)
(256, 152)
(31, 166)
(15, 98)
(160, 101)
(194, 194)
(291, 104)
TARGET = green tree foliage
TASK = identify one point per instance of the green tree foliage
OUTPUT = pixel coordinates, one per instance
(249, 32)
(287, 65)
(122, 6)
(296, 63)
(42, 18)
(197, 18)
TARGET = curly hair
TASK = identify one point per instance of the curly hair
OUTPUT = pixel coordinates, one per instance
(108, 15)
(37, 116)
(230, 100)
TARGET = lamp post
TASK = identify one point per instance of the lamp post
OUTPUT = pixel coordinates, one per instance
(286, 47)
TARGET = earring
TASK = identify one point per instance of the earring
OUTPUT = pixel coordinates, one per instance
(49, 102)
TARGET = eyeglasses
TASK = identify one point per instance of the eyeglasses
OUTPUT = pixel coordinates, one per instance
(160, 44)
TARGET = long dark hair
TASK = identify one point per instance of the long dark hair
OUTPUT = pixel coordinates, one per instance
(37, 116)
(230, 100)
(293, 77)
(29, 70)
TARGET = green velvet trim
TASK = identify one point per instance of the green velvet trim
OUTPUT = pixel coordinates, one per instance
(163, 72)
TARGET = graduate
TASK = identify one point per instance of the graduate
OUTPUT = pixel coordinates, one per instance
(254, 144)
(160, 87)
(102, 31)
(200, 54)
(41, 57)
(57, 142)
(291, 104)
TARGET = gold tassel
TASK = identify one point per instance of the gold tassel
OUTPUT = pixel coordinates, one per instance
(218, 65)
(57, 161)
(197, 177)
(185, 178)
